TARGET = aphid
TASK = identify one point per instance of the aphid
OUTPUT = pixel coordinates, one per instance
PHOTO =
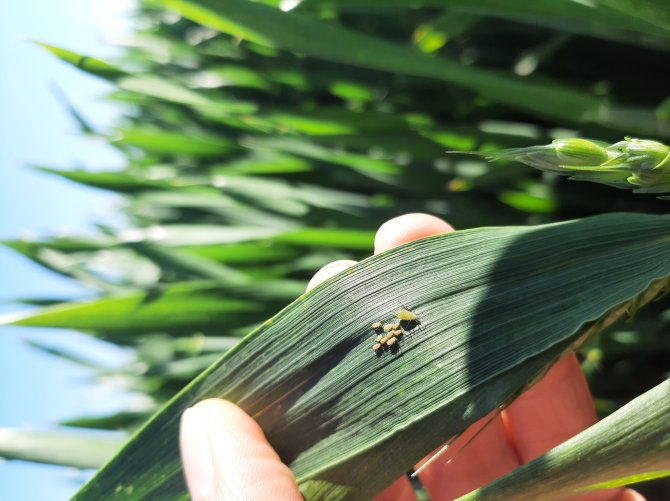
(406, 315)
(383, 340)
(388, 327)
(377, 325)
(377, 347)
(379, 338)
(396, 333)
(392, 341)
(396, 326)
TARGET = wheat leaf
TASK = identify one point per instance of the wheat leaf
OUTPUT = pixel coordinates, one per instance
(336, 412)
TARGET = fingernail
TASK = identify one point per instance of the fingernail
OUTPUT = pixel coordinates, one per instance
(196, 453)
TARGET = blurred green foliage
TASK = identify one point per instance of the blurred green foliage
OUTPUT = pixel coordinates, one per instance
(262, 144)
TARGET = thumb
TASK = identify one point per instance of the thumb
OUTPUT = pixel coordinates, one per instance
(226, 456)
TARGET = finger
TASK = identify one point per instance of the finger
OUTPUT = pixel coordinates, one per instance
(407, 228)
(400, 490)
(444, 481)
(328, 271)
(466, 466)
(394, 232)
(226, 456)
(552, 411)
(631, 495)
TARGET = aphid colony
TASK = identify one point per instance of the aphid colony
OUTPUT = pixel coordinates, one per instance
(389, 334)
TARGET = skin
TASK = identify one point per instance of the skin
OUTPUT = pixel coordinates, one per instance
(226, 454)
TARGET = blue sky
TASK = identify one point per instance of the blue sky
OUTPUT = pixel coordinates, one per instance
(37, 390)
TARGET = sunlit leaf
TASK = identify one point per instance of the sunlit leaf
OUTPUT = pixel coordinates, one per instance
(186, 306)
(86, 63)
(160, 141)
(66, 448)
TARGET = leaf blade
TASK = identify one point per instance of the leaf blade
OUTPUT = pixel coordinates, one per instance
(65, 448)
(176, 307)
(632, 442)
(300, 34)
(319, 403)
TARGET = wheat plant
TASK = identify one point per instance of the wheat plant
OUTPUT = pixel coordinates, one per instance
(638, 164)
(265, 139)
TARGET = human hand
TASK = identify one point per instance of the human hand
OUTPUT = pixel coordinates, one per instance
(226, 454)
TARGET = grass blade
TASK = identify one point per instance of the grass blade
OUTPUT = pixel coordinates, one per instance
(611, 19)
(174, 143)
(633, 443)
(65, 448)
(88, 64)
(268, 26)
(177, 307)
(123, 420)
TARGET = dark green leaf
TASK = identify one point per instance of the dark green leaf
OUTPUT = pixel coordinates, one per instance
(266, 25)
(496, 306)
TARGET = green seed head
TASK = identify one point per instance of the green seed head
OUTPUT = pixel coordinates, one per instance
(647, 154)
(579, 152)
(640, 164)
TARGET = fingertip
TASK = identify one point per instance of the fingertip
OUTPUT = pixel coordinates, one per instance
(196, 453)
(226, 455)
(407, 228)
(329, 270)
(631, 495)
